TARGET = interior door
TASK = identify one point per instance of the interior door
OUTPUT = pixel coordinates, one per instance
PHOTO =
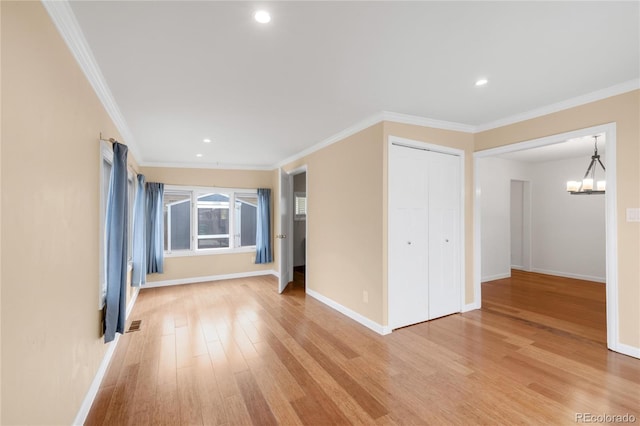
(444, 235)
(283, 229)
(408, 236)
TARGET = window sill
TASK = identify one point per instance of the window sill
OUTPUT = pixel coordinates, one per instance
(210, 252)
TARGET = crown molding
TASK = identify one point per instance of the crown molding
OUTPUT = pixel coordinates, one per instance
(65, 21)
(427, 122)
(351, 130)
(207, 166)
(608, 92)
(373, 120)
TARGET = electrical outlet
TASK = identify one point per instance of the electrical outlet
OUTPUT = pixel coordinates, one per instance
(633, 215)
(365, 296)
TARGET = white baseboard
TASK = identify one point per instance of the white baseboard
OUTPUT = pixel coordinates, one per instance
(496, 277)
(570, 275)
(372, 325)
(471, 306)
(134, 297)
(193, 280)
(87, 402)
(627, 350)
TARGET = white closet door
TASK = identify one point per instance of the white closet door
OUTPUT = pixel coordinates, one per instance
(407, 245)
(444, 235)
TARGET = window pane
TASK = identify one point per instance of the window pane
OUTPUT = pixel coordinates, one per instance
(177, 210)
(213, 220)
(300, 206)
(245, 220)
(132, 195)
(207, 243)
(106, 179)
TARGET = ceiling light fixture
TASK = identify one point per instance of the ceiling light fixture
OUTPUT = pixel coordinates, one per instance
(586, 187)
(207, 140)
(262, 16)
(482, 82)
(198, 155)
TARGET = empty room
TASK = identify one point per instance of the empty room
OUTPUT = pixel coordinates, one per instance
(370, 212)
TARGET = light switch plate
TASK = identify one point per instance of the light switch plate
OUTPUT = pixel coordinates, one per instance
(633, 215)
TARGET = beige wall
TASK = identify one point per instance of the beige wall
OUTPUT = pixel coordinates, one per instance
(344, 247)
(624, 110)
(448, 138)
(347, 250)
(49, 215)
(0, 215)
(209, 265)
(51, 120)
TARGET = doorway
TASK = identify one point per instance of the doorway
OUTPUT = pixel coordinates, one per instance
(293, 229)
(299, 234)
(520, 208)
(609, 130)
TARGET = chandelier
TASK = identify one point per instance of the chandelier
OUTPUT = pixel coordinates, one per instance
(586, 186)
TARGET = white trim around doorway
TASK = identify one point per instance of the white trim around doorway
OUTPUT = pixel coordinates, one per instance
(613, 339)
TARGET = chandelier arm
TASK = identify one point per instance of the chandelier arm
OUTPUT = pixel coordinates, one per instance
(601, 165)
(593, 160)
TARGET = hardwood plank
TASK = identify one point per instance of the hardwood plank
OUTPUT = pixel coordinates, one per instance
(166, 410)
(255, 402)
(100, 406)
(316, 401)
(287, 384)
(237, 410)
(236, 352)
(190, 409)
(353, 388)
(211, 400)
(274, 394)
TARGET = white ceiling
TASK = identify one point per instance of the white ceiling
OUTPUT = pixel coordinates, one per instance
(182, 71)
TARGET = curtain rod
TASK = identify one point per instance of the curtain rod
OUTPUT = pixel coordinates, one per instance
(110, 140)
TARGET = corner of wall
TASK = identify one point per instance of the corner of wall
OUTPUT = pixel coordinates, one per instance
(0, 218)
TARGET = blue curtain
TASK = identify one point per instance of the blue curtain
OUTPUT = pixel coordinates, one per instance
(116, 245)
(155, 227)
(263, 232)
(139, 255)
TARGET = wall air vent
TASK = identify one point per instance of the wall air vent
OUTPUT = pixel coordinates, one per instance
(134, 326)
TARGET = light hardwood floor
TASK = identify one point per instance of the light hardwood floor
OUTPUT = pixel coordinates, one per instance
(237, 353)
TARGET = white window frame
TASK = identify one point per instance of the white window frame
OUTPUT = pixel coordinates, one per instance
(187, 200)
(197, 191)
(299, 216)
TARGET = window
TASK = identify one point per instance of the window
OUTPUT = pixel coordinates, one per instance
(131, 189)
(206, 220)
(300, 205)
(246, 214)
(213, 221)
(177, 220)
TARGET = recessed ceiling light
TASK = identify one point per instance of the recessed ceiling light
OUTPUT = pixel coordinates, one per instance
(482, 82)
(262, 16)
(198, 155)
(207, 140)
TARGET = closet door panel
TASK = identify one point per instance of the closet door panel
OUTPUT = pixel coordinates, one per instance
(444, 235)
(408, 244)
